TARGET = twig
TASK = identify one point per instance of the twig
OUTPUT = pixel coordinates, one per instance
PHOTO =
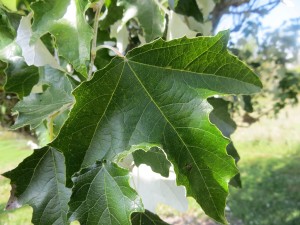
(51, 125)
(97, 7)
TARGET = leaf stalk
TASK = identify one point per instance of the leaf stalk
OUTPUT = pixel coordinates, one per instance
(97, 8)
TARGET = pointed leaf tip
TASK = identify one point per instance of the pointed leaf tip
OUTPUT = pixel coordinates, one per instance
(158, 95)
(102, 195)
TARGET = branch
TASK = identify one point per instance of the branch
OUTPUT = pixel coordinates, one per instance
(231, 7)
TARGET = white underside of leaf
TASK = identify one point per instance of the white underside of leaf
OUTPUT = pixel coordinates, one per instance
(177, 28)
(34, 54)
(155, 189)
(119, 29)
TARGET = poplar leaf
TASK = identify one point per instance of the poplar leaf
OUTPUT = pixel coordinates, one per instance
(146, 218)
(157, 94)
(65, 19)
(34, 54)
(150, 18)
(102, 195)
(40, 182)
(35, 108)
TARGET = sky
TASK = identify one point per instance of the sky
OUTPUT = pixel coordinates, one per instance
(283, 12)
(275, 18)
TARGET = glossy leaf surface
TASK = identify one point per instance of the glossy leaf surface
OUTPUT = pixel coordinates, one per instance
(36, 107)
(155, 158)
(146, 218)
(157, 95)
(102, 195)
(188, 8)
(40, 182)
(222, 119)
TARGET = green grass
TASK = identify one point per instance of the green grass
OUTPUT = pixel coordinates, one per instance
(270, 172)
(271, 187)
(13, 150)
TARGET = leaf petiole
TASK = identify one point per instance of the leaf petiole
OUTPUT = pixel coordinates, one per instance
(97, 8)
(115, 50)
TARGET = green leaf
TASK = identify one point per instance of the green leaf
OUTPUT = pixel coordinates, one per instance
(103, 55)
(248, 105)
(146, 218)
(65, 19)
(7, 32)
(154, 27)
(40, 182)
(37, 53)
(20, 78)
(157, 95)
(236, 180)
(155, 158)
(36, 107)
(222, 119)
(188, 8)
(113, 14)
(9, 4)
(102, 195)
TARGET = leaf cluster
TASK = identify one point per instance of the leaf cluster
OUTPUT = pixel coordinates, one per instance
(98, 107)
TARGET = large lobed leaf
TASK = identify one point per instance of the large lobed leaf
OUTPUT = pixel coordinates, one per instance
(157, 95)
(40, 182)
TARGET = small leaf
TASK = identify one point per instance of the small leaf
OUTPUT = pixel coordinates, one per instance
(7, 33)
(20, 78)
(157, 95)
(155, 158)
(188, 8)
(36, 107)
(65, 19)
(220, 116)
(34, 54)
(102, 195)
(153, 27)
(40, 182)
(222, 119)
(113, 14)
(146, 218)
